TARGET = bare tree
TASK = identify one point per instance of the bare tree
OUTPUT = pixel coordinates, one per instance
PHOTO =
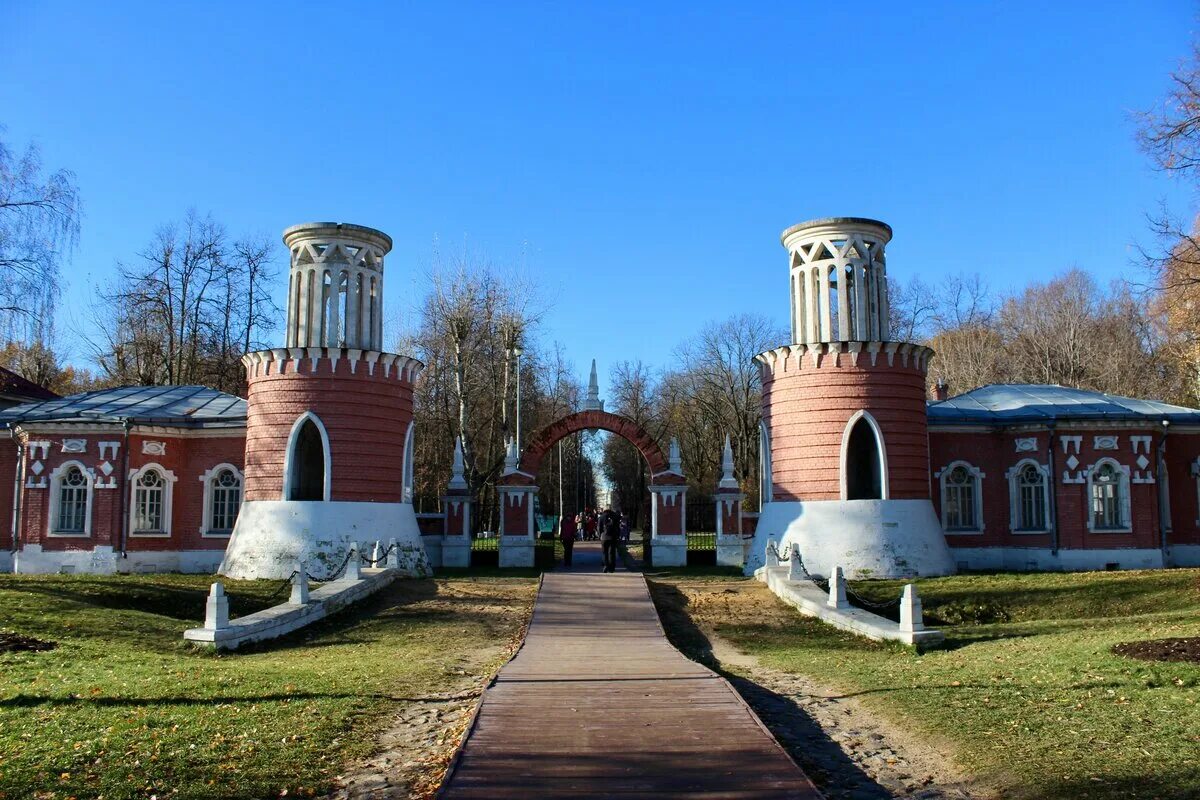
(39, 226)
(187, 310)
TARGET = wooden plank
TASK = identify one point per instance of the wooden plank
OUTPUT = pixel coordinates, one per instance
(597, 703)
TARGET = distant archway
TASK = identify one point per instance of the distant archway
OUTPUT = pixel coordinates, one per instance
(547, 437)
(864, 460)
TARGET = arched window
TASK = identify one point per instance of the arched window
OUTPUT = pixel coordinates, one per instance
(222, 499)
(308, 462)
(962, 497)
(766, 490)
(864, 460)
(150, 504)
(1108, 488)
(1028, 484)
(71, 501)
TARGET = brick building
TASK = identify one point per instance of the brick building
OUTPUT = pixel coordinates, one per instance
(137, 479)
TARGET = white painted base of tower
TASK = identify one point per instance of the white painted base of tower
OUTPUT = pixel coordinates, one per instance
(271, 535)
(866, 538)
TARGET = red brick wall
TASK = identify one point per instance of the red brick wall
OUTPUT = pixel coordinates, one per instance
(188, 457)
(8, 465)
(366, 417)
(995, 453)
(1182, 451)
(806, 408)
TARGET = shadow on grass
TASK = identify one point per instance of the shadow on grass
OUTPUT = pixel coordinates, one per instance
(805, 740)
(164, 599)
(36, 701)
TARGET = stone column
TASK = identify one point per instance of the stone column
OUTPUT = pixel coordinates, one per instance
(729, 499)
(516, 525)
(456, 505)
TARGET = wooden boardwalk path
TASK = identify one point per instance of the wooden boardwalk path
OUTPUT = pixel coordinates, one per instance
(597, 703)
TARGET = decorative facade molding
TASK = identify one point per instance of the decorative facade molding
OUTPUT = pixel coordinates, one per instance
(1026, 444)
(324, 361)
(1110, 442)
(74, 445)
(154, 448)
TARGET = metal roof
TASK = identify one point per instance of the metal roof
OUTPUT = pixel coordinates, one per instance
(1023, 403)
(184, 406)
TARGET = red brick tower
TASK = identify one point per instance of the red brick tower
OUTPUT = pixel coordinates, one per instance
(330, 417)
(845, 450)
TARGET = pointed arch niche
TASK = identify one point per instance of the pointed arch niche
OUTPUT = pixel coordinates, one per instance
(864, 459)
(307, 468)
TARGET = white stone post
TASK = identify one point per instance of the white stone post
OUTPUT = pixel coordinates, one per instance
(911, 618)
(837, 590)
(300, 586)
(377, 554)
(393, 556)
(794, 571)
(216, 610)
(772, 553)
(354, 565)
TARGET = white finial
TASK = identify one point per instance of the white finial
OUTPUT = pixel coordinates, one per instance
(457, 479)
(727, 479)
(593, 402)
(675, 459)
(510, 456)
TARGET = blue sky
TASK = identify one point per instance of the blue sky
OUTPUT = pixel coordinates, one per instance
(638, 159)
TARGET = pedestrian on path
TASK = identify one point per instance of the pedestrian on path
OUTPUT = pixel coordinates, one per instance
(610, 538)
(567, 533)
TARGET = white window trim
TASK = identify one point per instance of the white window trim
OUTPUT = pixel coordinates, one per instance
(291, 449)
(406, 485)
(56, 477)
(884, 489)
(979, 476)
(1196, 479)
(206, 518)
(1014, 497)
(766, 489)
(1124, 509)
(168, 495)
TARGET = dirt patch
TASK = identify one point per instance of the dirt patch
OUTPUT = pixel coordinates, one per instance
(850, 753)
(16, 643)
(1161, 649)
(421, 737)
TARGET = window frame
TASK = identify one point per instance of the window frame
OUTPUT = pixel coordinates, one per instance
(56, 479)
(1013, 477)
(1124, 501)
(289, 458)
(978, 475)
(885, 492)
(168, 500)
(208, 479)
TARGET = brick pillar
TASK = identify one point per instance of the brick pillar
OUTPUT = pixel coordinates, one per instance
(668, 517)
(516, 525)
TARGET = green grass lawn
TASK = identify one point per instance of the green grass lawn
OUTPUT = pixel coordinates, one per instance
(124, 708)
(1026, 692)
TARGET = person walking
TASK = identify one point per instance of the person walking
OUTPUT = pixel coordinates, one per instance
(610, 538)
(589, 522)
(624, 528)
(566, 533)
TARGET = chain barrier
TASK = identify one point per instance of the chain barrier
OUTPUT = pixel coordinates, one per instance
(371, 562)
(858, 599)
(337, 573)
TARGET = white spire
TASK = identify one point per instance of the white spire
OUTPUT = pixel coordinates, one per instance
(457, 478)
(675, 459)
(593, 402)
(727, 479)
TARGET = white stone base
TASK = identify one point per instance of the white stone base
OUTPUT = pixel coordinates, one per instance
(102, 560)
(276, 621)
(516, 551)
(456, 552)
(271, 536)
(1042, 559)
(866, 538)
(1183, 555)
(731, 551)
(668, 550)
(6, 561)
(433, 549)
(808, 599)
